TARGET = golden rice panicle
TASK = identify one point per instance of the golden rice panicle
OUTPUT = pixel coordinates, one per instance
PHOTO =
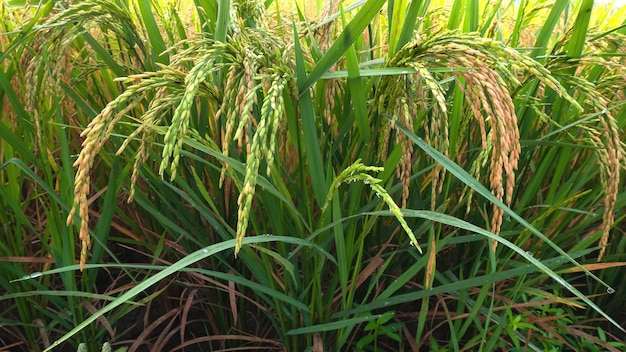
(173, 140)
(612, 156)
(91, 145)
(384, 135)
(436, 128)
(54, 39)
(152, 118)
(240, 88)
(165, 83)
(395, 101)
(333, 88)
(264, 136)
(276, 111)
(31, 83)
(405, 116)
(44, 70)
(246, 117)
(603, 130)
(489, 99)
(324, 33)
(382, 106)
(230, 95)
(247, 94)
(95, 135)
(487, 93)
(249, 54)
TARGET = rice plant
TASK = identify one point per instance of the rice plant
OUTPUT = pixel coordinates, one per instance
(363, 175)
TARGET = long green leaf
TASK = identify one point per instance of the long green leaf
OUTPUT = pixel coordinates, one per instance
(223, 20)
(472, 16)
(411, 23)
(334, 325)
(73, 268)
(579, 34)
(456, 14)
(157, 44)
(545, 33)
(357, 92)
(309, 129)
(343, 42)
(396, 23)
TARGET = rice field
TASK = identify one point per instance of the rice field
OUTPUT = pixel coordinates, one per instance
(217, 175)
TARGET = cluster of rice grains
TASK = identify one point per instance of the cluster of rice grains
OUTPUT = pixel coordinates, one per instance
(257, 70)
(359, 172)
(486, 71)
(598, 123)
(250, 66)
(48, 65)
(596, 120)
(245, 79)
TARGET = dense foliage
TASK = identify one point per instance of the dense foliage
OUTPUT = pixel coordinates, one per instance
(363, 176)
